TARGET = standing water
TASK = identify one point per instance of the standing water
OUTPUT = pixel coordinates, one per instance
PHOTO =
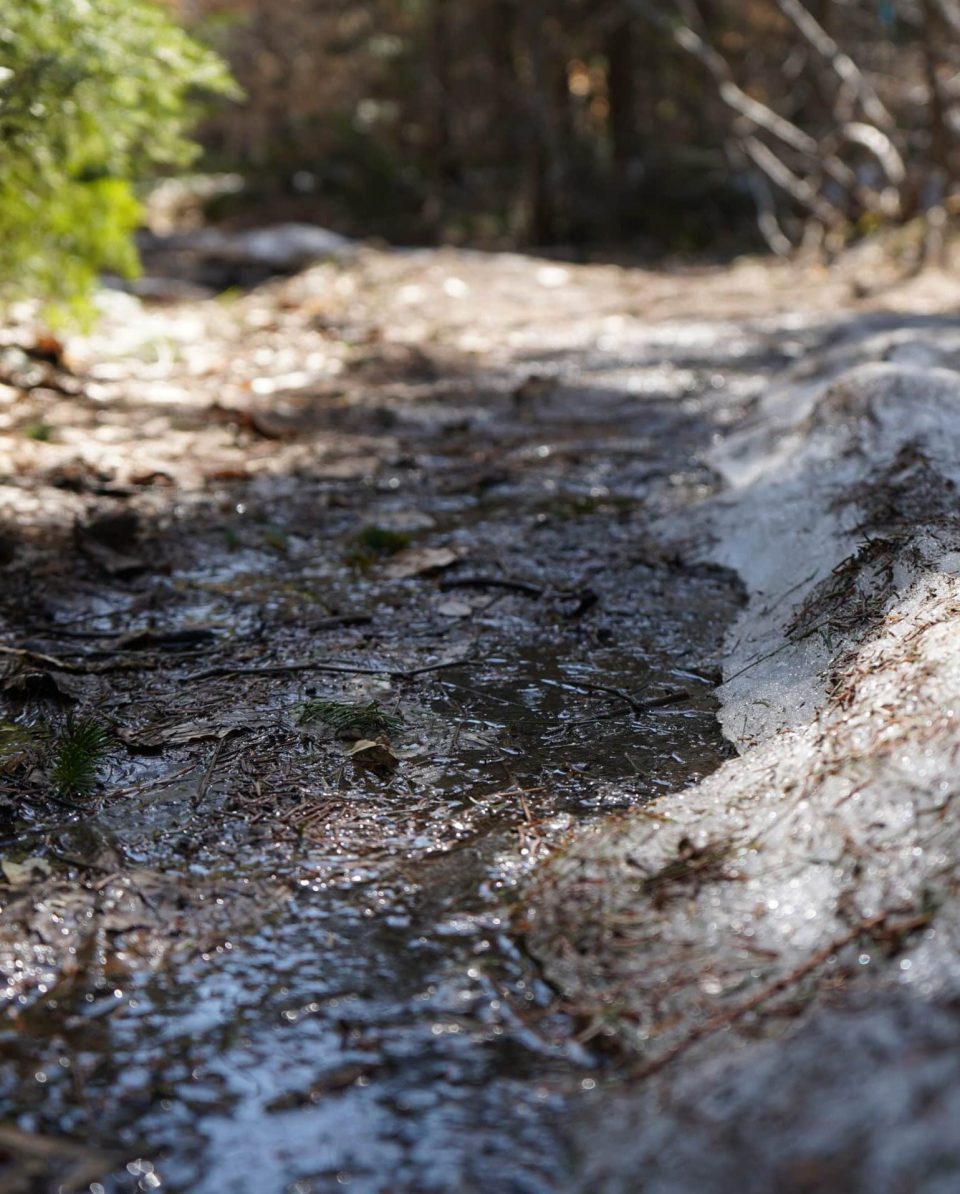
(274, 951)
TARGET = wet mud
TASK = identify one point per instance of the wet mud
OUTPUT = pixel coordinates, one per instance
(269, 949)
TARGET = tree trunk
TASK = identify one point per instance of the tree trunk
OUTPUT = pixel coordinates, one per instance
(622, 74)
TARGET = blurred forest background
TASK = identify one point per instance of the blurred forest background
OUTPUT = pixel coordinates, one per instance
(671, 124)
(640, 126)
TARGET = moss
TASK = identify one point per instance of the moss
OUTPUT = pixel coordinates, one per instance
(374, 543)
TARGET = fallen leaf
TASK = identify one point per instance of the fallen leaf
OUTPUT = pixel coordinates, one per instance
(22, 874)
(110, 540)
(420, 561)
(27, 683)
(373, 755)
(454, 609)
(227, 473)
(339, 1079)
(118, 528)
(49, 349)
(114, 563)
(180, 732)
(532, 387)
(187, 639)
(151, 477)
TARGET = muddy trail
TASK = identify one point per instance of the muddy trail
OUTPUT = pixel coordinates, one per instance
(358, 579)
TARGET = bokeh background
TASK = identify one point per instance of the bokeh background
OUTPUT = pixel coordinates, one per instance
(669, 124)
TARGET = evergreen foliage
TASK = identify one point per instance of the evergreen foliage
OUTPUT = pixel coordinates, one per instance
(80, 751)
(350, 720)
(94, 95)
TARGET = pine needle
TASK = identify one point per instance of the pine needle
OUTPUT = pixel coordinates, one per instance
(80, 752)
(359, 721)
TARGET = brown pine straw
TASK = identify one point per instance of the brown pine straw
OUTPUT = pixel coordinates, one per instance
(877, 926)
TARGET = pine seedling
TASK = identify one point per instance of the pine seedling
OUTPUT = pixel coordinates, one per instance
(80, 752)
(350, 721)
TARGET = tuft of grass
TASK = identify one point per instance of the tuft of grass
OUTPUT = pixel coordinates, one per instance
(350, 721)
(276, 537)
(374, 543)
(41, 432)
(382, 540)
(80, 751)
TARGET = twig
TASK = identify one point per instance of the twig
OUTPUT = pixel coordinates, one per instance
(339, 620)
(850, 75)
(668, 698)
(790, 642)
(81, 863)
(319, 665)
(638, 706)
(492, 582)
(57, 663)
(39, 657)
(207, 776)
(604, 689)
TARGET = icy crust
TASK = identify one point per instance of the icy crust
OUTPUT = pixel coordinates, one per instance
(804, 488)
(824, 863)
(865, 1099)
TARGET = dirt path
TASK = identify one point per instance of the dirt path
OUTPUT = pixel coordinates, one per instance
(407, 501)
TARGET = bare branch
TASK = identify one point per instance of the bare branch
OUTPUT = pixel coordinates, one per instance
(777, 240)
(950, 11)
(732, 95)
(843, 65)
(879, 144)
(801, 190)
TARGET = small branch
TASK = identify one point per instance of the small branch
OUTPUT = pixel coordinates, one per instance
(843, 65)
(208, 775)
(638, 706)
(604, 690)
(669, 698)
(798, 188)
(759, 115)
(319, 665)
(492, 582)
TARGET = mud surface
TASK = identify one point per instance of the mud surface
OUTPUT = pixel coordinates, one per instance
(248, 959)
(255, 956)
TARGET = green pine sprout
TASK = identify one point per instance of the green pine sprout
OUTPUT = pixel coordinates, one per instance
(80, 752)
(383, 541)
(359, 721)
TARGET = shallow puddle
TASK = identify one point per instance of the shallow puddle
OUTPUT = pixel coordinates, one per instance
(251, 965)
(370, 1024)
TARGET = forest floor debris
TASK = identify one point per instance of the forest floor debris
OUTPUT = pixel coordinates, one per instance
(315, 498)
(457, 488)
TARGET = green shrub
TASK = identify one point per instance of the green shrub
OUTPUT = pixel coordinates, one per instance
(94, 95)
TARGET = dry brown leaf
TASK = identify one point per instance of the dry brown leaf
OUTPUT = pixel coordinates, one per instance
(373, 755)
(454, 609)
(22, 874)
(420, 561)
